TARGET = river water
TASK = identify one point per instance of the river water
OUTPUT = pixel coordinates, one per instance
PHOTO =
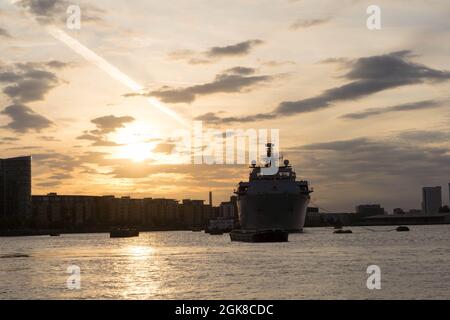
(192, 265)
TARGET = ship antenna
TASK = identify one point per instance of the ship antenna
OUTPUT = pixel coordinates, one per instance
(269, 150)
(269, 154)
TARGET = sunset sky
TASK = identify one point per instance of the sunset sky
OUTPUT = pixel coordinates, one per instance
(363, 114)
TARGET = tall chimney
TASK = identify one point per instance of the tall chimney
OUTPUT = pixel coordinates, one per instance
(210, 198)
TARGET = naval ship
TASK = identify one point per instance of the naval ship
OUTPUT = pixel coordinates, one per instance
(272, 201)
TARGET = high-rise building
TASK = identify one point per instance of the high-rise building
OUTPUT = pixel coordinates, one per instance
(431, 200)
(15, 186)
(366, 210)
(449, 194)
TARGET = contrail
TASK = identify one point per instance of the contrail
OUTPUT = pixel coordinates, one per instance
(107, 67)
(111, 70)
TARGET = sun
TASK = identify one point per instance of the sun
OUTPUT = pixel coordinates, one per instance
(136, 142)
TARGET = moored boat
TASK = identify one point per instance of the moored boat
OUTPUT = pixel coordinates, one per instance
(123, 233)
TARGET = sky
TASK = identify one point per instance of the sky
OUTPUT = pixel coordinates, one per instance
(363, 115)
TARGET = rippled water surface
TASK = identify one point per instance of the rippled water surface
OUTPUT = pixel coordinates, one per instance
(191, 265)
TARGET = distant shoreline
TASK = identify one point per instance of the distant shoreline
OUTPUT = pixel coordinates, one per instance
(48, 232)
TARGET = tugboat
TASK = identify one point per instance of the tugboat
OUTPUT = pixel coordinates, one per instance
(123, 233)
(274, 202)
(214, 232)
(259, 236)
(342, 231)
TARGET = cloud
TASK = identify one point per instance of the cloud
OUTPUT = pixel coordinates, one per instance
(52, 11)
(165, 148)
(273, 63)
(24, 119)
(244, 71)
(371, 157)
(231, 81)
(31, 81)
(334, 60)
(303, 24)
(4, 33)
(367, 76)
(238, 49)
(424, 136)
(419, 105)
(391, 170)
(29, 90)
(97, 140)
(108, 124)
(214, 118)
(105, 125)
(214, 54)
(8, 140)
(49, 139)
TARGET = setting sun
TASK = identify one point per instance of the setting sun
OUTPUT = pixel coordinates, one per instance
(136, 141)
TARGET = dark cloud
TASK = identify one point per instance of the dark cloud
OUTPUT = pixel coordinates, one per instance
(4, 33)
(367, 76)
(368, 157)
(105, 125)
(29, 90)
(31, 81)
(334, 60)
(24, 119)
(215, 53)
(273, 63)
(61, 176)
(214, 118)
(303, 24)
(55, 64)
(238, 49)
(424, 136)
(52, 64)
(51, 11)
(56, 161)
(8, 76)
(97, 140)
(419, 105)
(8, 140)
(244, 71)
(392, 170)
(231, 81)
(108, 124)
(49, 184)
(49, 139)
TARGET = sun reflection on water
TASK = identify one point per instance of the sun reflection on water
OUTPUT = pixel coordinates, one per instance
(139, 251)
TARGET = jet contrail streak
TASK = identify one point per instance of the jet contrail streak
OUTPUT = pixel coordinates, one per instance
(111, 70)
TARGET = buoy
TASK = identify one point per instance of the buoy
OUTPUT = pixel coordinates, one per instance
(343, 231)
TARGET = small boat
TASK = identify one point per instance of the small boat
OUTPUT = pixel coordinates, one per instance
(402, 229)
(55, 234)
(259, 236)
(123, 233)
(341, 231)
(215, 232)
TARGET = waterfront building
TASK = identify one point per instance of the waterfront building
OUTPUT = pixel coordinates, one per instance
(15, 187)
(431, 200)
(366, 210)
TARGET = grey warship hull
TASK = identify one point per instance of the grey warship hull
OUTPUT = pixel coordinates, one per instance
(268, 211)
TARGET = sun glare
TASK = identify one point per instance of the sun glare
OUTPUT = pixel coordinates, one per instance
(136, 142)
